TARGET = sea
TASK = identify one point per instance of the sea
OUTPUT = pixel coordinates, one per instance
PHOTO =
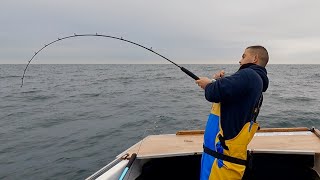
(68, 121)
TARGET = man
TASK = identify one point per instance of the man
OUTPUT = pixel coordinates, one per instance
(231, 124)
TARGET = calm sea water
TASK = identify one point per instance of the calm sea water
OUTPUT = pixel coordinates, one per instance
(68, 121)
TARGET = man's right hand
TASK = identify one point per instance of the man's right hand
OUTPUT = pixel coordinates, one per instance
(218, 75)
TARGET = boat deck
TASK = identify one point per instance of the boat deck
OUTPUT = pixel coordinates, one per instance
(273, 140)
(296, 151)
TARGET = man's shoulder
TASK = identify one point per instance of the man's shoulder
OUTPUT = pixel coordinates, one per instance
(245, 72)
(247, 75)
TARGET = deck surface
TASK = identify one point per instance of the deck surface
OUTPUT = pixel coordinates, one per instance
(297, 142)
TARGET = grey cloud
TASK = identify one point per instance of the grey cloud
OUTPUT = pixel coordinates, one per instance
(186, 31)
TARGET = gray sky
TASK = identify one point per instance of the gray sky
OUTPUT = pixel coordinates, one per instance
(185, 31)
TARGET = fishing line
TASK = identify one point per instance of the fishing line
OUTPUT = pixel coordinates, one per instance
(112, 37)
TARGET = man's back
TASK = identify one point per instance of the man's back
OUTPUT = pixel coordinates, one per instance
(238, 94)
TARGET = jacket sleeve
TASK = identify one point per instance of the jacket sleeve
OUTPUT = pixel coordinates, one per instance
(228, 88)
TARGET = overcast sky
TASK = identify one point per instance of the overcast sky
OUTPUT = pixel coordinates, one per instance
(185, 31)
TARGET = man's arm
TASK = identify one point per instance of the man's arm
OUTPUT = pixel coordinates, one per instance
(228, 88)
(204, 81)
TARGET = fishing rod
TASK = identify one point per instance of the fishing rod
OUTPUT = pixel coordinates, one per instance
(189, 73)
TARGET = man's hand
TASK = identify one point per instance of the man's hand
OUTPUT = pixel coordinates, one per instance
(203, 82)
(218, 75)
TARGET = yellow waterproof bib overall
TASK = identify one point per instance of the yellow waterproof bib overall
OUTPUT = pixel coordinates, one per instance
(215, 168)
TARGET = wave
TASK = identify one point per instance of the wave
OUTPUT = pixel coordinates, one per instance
(90, 94)
(11, 76)
(298, 99)
(31, 91)
(313, 76)
(40, 97)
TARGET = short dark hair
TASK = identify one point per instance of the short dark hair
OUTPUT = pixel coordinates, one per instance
(262, 54)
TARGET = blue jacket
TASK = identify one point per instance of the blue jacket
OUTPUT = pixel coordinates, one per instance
(238, 95)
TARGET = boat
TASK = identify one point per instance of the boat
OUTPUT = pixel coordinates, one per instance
(276, 153)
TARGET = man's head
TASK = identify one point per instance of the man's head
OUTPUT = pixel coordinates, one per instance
(256, 55)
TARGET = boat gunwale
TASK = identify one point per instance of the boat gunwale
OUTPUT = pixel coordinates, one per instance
(293, 129)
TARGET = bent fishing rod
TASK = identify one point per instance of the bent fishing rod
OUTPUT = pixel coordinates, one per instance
(189, 73)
